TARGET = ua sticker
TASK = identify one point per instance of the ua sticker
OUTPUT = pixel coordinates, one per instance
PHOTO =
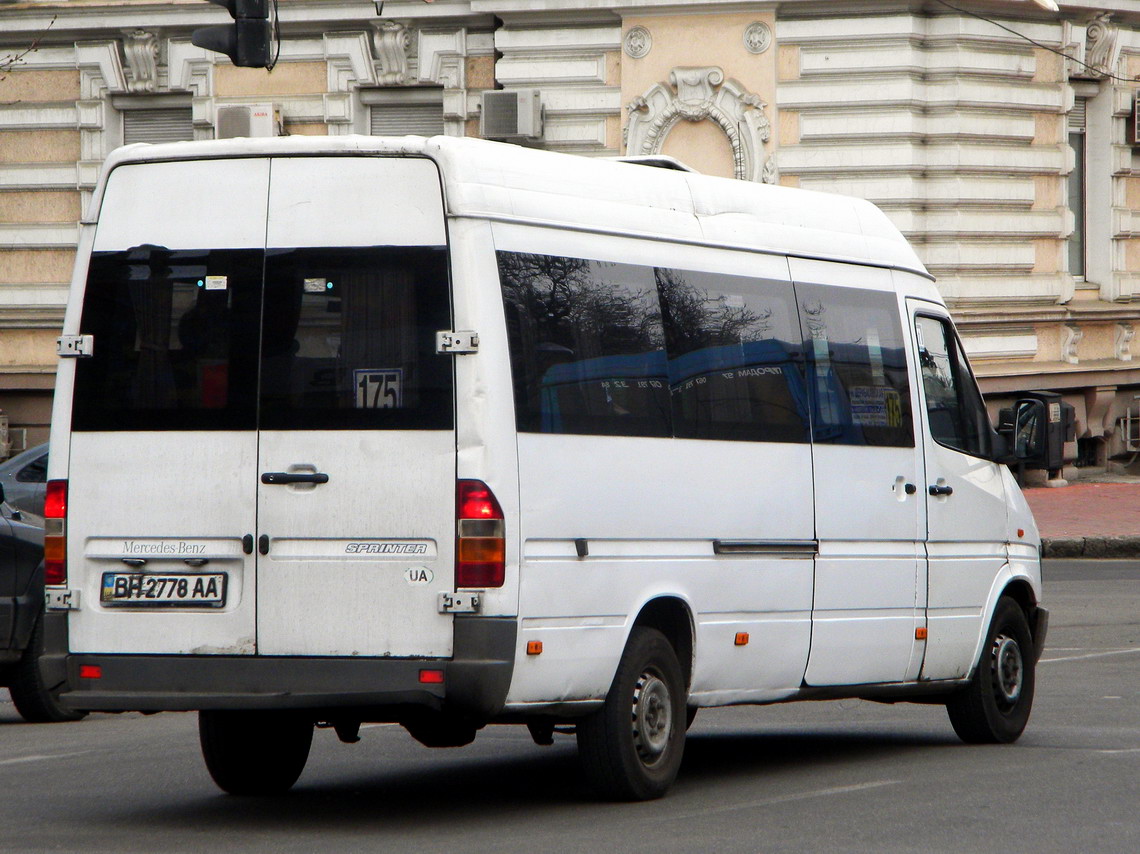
(418, 575)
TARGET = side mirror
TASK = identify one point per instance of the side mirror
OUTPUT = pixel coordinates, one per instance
(1024, 430)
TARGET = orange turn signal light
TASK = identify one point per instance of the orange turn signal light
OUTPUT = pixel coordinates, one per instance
(920, 633)
(534, 647)
(741, 638)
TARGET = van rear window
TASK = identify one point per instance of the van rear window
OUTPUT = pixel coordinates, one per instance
(176, 334)
(336, 338)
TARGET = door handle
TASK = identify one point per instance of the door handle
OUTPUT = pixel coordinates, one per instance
(263, 544)
(247, 544)
(287, 477)
(940, 490)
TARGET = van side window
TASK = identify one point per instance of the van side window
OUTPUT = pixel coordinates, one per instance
(954, 406)
(587, 347)
(175, 340)
(348, 339)
(735, 359)
(857, 366)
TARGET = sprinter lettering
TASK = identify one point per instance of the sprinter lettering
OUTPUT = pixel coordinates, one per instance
(386, 548)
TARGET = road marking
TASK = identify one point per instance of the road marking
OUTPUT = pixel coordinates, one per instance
(39, 758)
(1090, 655)
(783, 799)
(1120, 750)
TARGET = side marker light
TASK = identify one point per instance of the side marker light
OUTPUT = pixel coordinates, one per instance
(742, 638)
(920, 633)
(534, 647)
(90, 671)
(431, 677)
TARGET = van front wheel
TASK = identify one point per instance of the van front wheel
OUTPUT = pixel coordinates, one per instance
(254, 753)
(631, 748)
(994, 707)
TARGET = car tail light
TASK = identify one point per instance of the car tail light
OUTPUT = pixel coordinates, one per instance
(480, 545)
(55, 532)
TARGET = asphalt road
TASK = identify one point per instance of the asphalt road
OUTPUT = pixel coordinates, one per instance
(835, 777)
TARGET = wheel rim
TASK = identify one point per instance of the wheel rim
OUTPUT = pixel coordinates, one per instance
(652, 717)
(1008, 670)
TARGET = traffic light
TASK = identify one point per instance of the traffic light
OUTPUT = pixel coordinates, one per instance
(247, 40)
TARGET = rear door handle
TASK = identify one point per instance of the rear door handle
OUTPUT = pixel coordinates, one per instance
(940, 490)
(287, 477)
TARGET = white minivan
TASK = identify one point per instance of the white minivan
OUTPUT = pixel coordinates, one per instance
(450, 433)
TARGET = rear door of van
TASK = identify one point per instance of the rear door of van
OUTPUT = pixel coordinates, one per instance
(262, 451)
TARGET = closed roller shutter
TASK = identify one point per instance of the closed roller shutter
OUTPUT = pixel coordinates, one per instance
(401, 119)
(174, 124)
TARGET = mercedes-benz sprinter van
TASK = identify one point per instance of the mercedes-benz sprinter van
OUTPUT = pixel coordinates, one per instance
(448, 433)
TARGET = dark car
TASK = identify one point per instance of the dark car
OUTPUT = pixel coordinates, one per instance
(24, 479)
(21, 622)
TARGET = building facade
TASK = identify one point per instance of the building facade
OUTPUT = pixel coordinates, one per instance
(999, 137)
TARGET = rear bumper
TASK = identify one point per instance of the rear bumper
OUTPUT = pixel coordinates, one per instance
(475, 679)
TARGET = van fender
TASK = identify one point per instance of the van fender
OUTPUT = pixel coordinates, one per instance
(672, 613)
(1011, 572)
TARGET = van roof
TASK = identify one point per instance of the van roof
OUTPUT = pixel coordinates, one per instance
(500, 181)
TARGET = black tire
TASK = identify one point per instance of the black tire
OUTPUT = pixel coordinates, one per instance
(631, 748)
(994, 708)
(36, 702)
(254, 753)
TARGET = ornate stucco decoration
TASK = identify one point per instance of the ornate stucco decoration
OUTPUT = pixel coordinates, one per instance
(140, 48)
(702, 94)
(757, 37)
(1124, 335)
(1102, 49)
(392, 40)
(638, 42)
(1070, 337)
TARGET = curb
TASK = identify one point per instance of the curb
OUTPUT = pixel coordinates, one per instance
(1091, 547)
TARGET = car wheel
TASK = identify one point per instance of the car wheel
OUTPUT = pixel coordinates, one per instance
(631, 748)
(994, 707)
(254, 753)
(36, 702)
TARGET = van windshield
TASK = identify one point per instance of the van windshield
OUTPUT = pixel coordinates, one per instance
(314, 338)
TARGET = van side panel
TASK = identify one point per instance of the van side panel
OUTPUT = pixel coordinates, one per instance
(610, 522)
(870, 573)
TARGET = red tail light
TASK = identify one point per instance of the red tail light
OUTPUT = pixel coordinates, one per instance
(480, 545)
(55, 532)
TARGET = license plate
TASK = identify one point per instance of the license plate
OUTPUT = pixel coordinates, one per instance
(171, 590)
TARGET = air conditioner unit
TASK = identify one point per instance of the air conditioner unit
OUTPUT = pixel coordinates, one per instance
(511, 114)
(247, 120)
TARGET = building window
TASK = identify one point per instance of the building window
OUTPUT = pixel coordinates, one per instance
(398, 112)
(155, 118)
(1076, 188)
(170, 125)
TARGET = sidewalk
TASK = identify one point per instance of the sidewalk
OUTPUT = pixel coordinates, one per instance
(1095, 519)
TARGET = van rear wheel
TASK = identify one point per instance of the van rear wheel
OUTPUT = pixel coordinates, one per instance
(631, 748)
(254, 753)
(994, 707)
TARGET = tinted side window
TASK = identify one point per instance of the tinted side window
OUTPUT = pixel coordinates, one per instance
(349, 339)
(954, 406)
(857, 366)
(175, 340)
(587, 347)
(35, 471)
(735, 367)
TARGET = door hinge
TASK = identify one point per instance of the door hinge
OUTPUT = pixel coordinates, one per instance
(456, 342)
(75, 346)
(460, 603)
(61, 600)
